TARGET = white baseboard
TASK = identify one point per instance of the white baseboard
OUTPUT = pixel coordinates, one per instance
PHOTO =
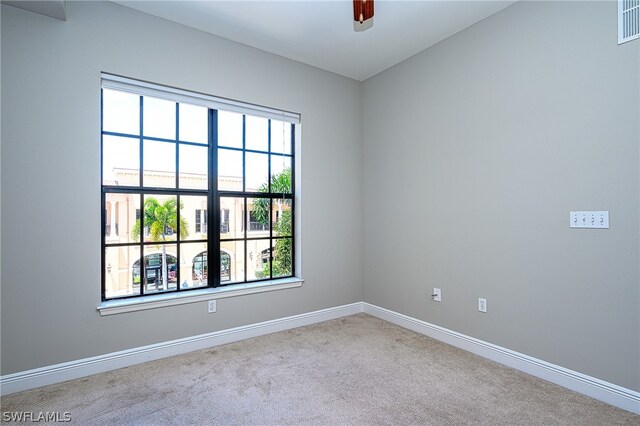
(48, 375)
(615, 395)
(618, 396)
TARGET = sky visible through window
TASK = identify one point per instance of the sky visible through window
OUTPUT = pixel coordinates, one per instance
(159, 122)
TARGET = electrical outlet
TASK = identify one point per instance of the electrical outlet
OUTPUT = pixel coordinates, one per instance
(437, 295)
(482, 304)
(211, 306)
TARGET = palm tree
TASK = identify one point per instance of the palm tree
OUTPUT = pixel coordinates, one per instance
(160, 218)
(280, 183)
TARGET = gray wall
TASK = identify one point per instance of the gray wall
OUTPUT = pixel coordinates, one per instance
(475, 151)
(51, 187)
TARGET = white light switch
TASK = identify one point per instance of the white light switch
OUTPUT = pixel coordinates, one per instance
(590, 219)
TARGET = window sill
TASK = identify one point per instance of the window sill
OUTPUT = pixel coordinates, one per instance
(142, 303)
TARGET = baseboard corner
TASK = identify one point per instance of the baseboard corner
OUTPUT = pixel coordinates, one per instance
(601, 390)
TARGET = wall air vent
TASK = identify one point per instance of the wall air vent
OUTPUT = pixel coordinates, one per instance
(628, 20)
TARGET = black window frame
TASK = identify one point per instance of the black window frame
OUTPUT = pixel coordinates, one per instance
(213, 239)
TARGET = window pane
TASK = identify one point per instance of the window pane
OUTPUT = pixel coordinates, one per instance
(280, 174)
(229, 170)
(120, 112)
(194, 123)
(235, 252)
(160, 268)
(193, 265)
(282, 257)
(121, 214)
(159, 164)
(257, 171)
(258, 218)
(120, 161)
(121, 276)
(193, 216)
(231, 214)
(194, 166)
(259, 258)
(159, 118)
(160, 218)
(229, 129)
(280, 137)
(281, 217)
(257, 129)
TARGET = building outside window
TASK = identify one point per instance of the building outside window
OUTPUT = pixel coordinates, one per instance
(224, 221)
(201, 221)
(168, 161)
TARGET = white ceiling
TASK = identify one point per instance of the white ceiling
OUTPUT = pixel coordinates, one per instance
(320, 32)
(316, 32)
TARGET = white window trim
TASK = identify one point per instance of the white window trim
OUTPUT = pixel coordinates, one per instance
(139, 87)
(112, 307)
(158, 300)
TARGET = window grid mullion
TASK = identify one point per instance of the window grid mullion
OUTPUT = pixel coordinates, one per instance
(213, 222)
(103, 281)
(293, 199)
(230, 240)
(244, 190)
(178, 201)
(271, 243)
(233, 148)
(156, 139)
(178, 245)
(153, 190)
(254, 194)
(143, 269)
(269, 219)
(245, 221)
(177, 146)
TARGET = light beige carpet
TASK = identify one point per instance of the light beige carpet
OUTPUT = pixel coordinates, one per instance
(357, 370)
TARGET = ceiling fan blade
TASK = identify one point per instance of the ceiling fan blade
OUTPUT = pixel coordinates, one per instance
(362, 10)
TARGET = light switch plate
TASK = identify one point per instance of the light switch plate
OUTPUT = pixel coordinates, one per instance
(589, 219)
